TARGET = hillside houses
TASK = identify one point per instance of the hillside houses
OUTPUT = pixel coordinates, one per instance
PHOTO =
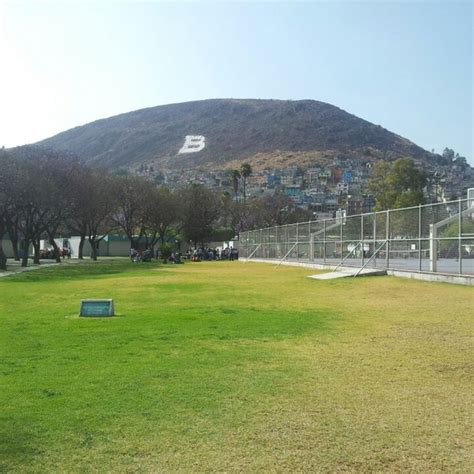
(321, 188)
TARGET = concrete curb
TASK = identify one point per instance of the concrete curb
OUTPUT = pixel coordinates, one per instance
(425, 276)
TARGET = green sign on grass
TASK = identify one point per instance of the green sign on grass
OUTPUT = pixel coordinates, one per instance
(97, 308)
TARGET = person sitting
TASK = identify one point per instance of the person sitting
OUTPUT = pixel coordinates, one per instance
(147, 255)
(134, 255)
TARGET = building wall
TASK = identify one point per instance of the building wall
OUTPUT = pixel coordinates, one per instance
(119, 248)
(7, 248)
(74, 242)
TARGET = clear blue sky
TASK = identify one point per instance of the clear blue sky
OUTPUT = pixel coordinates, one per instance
(407, 66)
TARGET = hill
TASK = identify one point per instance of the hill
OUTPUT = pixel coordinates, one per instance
(218, 133)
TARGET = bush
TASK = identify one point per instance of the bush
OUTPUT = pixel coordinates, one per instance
(165, 252)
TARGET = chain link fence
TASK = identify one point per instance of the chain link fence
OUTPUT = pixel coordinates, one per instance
(434, 238)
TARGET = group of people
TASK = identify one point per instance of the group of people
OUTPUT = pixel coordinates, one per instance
(201, 253)
(50, 253)
(146, 256)
(149, 254)
(195, 255)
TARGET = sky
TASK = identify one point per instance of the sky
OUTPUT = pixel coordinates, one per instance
(405, 65)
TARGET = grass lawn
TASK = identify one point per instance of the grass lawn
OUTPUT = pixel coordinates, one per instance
(226, 366)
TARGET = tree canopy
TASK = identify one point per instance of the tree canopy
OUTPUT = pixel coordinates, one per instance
(396, 185)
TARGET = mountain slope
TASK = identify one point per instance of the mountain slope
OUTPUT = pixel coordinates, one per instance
(233, 130)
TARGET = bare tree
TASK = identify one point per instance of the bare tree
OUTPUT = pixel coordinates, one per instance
(3, 207)
(132, 195)
(200, 211)
(27, 192)
(62, 174)
(268, 211)
(162, 212)
(99, 206)
(92, 206)
(10, 181)
(77, 219)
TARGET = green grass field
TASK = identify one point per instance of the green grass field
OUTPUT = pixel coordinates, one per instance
(233, 367)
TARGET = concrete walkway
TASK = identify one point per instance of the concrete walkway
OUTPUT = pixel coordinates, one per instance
(348, 272)
(14, 267)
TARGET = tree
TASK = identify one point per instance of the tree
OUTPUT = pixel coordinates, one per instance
(200, 211)
(10, 186)
(99, 204)
(448, 154)
(93, 203)
(60, 175)
(449, 245)
(398, 185)
(274, 210)
(162, 212)
(377, 185)
(29, 193)
(132, 194)
(265, 211)
(3, 207)
(235, 176)
(37, 189)
(461, 161)
(245, 172)
(76, 223)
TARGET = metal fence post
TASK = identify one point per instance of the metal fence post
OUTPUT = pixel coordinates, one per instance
(340, 241)
(460, 237)
(362, 239)
(341, 237)
(374, 231)
(387, 246)
(324, 242)
(297, 241)
(419, 237)
(277, 242)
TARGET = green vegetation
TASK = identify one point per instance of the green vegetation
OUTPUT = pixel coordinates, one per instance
(396, 185)
(233, 367)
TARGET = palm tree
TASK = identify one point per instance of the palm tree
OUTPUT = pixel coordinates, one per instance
(245, 172)
(235, 175)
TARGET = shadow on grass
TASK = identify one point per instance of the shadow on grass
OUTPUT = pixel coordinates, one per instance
(84, 270)
(16, 444)
(240, 324)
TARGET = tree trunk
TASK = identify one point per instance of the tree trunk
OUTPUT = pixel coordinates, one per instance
(92, 243)
(134, 243)
(12, 231)
(36, 247)
(57, 253)
(3, 257)
(25, 248)
(14, 241)
(81, 247)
